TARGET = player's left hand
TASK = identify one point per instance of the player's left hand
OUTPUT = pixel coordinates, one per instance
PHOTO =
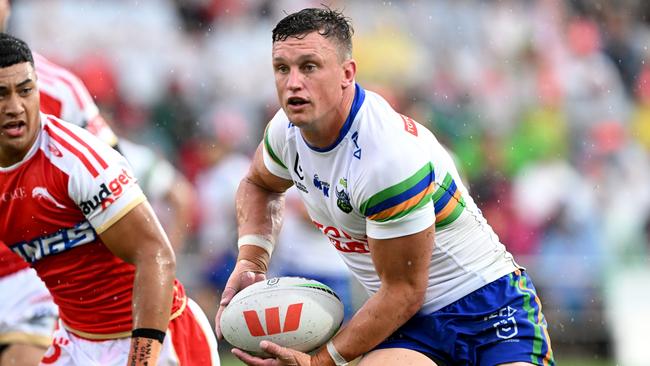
(283, 356)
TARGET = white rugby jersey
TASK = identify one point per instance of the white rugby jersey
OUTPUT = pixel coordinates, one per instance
(387, 176)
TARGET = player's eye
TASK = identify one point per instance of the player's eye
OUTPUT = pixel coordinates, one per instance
(282, 69)
(25, 91)
(309, 67)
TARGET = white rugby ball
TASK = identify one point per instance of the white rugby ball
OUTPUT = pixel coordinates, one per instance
(293, 312)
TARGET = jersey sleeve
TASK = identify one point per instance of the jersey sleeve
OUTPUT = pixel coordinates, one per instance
(395, 192)
(102, 184)
(275, 139)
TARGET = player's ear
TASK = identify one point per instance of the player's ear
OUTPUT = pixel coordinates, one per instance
(349, 72)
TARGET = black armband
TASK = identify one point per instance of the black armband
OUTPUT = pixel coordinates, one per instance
(149, 333)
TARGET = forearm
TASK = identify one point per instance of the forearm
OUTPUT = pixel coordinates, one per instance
(153, 292)
(152, 301)
(259, 211)
(379, 317)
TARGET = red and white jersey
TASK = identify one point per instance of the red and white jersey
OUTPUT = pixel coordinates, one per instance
(63, 95)
(69, 188)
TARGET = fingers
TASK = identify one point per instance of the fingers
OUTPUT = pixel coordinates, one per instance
(252, 360)
(217, 323)
(273, 349)
(227, 295)
(235, 283)
(285, 355)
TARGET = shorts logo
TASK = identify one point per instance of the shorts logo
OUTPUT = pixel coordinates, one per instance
(506, 328)
(107, 194)
(42, 193)
(272, 317)
(51, 357)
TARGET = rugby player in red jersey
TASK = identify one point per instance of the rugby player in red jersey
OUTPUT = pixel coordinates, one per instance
(75, 213)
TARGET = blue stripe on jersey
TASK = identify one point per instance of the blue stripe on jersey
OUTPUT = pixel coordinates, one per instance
(404, 196)
(359, 97)
(449, 193)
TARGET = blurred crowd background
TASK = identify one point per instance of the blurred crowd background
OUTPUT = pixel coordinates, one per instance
(544, 103)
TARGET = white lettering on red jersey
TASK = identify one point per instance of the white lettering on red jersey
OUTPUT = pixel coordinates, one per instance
(65, 96)
(69, 188)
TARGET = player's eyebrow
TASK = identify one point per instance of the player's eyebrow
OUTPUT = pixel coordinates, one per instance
(300, 59)
(24, 82)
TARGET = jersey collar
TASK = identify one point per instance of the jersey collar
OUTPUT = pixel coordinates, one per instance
(359, 97)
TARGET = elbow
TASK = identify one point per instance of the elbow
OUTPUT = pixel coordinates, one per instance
(167, 260)
(161, 260)
(411, 298)
(415, 300)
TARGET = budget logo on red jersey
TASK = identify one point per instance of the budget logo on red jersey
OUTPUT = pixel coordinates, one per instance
(107, 194)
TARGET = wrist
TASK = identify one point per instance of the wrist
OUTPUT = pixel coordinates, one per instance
(321, 359)
(149, 333)
(253, 258)
(334, 355)
(265, 242)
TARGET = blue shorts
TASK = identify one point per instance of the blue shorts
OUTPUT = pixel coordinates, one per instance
(499, 323)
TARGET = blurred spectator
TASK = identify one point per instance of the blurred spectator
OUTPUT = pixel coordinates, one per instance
(224, 132)
(169, 192)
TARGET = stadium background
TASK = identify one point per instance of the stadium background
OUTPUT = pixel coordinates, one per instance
(546, 105)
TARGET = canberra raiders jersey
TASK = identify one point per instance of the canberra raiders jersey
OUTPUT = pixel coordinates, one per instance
(387, 176)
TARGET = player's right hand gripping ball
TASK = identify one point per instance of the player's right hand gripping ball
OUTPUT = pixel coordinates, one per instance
(293, 312)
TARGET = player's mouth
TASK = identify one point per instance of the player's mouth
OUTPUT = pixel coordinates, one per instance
(296, 103)
(14, 128)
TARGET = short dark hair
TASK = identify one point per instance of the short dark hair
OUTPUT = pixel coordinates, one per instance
(14, 51)
(327, 22)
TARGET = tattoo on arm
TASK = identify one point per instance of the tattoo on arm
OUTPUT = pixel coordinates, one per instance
(141, 352)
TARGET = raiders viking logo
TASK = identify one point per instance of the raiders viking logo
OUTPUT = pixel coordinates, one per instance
(342, 198)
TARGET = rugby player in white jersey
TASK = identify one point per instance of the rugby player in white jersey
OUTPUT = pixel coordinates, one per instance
(443, 289)
(90, 234)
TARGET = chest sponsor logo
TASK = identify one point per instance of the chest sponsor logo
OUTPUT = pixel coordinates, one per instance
(107, 194)
(58, 242)
(322, 186)
(17, 194)
(342, 197)
(42, 193)
(343, 241)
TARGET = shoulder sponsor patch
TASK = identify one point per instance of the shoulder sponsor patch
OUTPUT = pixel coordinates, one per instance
(409, 125)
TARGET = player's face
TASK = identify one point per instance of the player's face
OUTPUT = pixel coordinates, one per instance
(19, 115)
(309, 78)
